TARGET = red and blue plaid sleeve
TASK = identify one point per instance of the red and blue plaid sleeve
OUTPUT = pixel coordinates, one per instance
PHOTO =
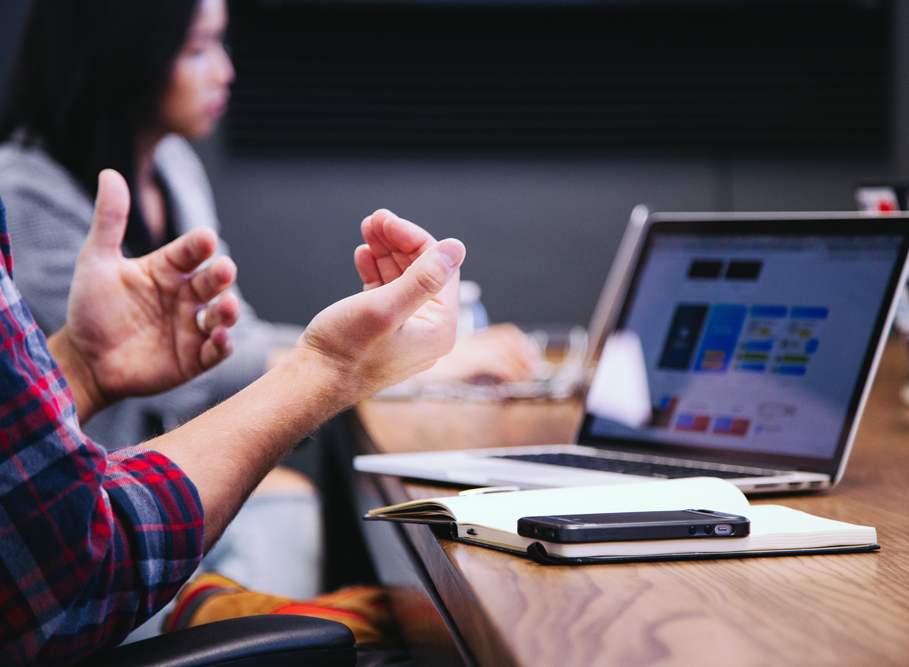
(91, 544)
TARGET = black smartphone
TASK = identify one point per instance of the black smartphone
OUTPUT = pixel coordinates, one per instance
(625, 526)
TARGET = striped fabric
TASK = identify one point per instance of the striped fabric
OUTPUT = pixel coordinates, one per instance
(91, 544)
(211, 597)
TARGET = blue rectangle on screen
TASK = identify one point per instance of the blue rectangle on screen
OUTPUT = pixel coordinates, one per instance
(811, 346)
(724, 324)
(685, 421)
(753, 368)
(759, 345)
(791, 370)
(769, 311)
(722, 423)
(807, 313)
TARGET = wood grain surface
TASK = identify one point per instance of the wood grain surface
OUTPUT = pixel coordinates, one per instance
(808, 610)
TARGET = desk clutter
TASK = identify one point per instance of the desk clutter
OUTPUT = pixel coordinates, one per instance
(491, 520)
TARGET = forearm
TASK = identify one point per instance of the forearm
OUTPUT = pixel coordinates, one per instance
(230, 448)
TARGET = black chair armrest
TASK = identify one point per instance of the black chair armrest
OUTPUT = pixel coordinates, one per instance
(254, 641)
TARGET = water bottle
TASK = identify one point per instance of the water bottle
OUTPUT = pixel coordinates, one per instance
(472, 316)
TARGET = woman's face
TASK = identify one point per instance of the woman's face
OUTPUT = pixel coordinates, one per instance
(197, 93)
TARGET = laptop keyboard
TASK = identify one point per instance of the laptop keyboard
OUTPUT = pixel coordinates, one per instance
(644, 468)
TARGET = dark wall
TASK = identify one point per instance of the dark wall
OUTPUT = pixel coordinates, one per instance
(12, 15)
(541, 230)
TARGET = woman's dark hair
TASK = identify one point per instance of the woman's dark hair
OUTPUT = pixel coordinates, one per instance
(87, 79)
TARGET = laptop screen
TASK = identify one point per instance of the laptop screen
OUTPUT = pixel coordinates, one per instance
(753, 342)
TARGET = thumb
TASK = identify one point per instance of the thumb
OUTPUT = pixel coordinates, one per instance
(111, 212)
(423, 280)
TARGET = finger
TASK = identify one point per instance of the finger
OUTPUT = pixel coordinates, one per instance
(224, 313)
(407, 240)
(187, 252)
(216, 348)
(424, 280)
(214, 279)
(389, 265)
(405, 236)
(394, 242)
(371, 234)
(387, 269)
(105, 237)
(365, 262)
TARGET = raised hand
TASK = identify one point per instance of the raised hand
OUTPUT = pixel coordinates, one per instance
(502, 354)
(133, 325)
(405, 319)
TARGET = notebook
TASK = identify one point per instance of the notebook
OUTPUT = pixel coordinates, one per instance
(491, 520)
(739, 346)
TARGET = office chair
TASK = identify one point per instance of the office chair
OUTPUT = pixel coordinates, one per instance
(254, 641)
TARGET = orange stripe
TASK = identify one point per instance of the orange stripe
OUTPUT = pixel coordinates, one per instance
(301, 609)
(184, 602)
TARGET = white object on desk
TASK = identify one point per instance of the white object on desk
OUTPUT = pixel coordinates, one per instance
(619, 390)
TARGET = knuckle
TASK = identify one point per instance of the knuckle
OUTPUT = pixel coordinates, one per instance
(431, 279)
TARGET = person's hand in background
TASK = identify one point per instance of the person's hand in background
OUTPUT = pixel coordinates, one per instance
(501, 353)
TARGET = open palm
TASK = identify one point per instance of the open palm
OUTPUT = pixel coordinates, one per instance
(134, 321)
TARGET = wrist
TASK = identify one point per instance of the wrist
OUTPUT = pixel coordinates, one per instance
(336, 379)
(87, 396)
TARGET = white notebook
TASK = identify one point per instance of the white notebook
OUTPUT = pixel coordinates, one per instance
(491, 520)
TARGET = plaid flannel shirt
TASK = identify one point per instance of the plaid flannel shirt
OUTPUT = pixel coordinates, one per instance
(91, 543)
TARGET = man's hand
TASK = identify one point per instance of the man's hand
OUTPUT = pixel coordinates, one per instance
(406, 317)
(503, 353)
(131, 327)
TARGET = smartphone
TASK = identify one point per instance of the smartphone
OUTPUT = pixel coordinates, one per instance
(625, 526)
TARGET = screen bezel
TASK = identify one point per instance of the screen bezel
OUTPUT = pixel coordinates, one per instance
(781, 225)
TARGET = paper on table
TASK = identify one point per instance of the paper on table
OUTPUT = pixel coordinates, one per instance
(492, 519)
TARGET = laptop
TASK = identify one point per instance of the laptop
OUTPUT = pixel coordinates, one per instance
(751, 339)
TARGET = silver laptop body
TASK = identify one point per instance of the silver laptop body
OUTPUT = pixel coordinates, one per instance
(757, 340)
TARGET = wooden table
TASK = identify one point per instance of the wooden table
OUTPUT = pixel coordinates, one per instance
(464, 605)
